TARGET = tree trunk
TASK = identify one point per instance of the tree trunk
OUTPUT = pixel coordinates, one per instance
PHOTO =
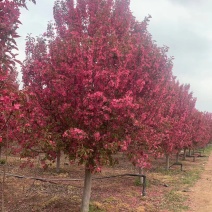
(177, 157)
(189, 152)
(167, 162)
(184, 154)
(86, 191)
(58, 162)
(194, 158)
(141, 171)
(5, 168)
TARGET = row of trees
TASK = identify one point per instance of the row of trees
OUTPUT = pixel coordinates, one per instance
(95, 83)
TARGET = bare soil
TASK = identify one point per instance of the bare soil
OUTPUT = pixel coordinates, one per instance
(200, 198)
(166, 191)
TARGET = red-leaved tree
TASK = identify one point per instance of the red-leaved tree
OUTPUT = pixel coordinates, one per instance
(87, 79)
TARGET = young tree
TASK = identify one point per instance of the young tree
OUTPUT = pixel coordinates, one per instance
(201, 133)
(174, 126)
(88, 79)
(158, 77)
(9, 21)
(9, 15)
(182, 111)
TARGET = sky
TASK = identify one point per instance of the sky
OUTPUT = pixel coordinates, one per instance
(185, 26)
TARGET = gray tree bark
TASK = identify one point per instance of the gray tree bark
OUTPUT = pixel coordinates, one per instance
(58, 162)
(189, 152)
(86, 191)
(184, 154)
(141, 171)
(177, 157)
(167, 162)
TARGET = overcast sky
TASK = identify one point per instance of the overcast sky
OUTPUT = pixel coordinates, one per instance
(185, 26)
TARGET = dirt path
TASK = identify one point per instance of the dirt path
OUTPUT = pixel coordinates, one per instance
(201, 194)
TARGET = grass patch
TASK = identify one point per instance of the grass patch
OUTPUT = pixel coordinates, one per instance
(2, 161)
(111, 200)
(208, 149)
(174, 201)
(189, 178)
(174, 183)
(96, 207)
(138, 181)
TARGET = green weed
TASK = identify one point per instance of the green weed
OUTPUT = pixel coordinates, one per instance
(174, 201)
(96, 207)
(2, 161)
(190, 177)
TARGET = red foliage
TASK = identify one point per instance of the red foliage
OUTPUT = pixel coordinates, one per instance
(9, 15)
(176, 118)
(92, 89)
(9, 102)
(90, 77)
(98, 88)
(201, 133)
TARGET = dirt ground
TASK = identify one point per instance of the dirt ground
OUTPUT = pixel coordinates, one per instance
(165, 191)
(200, 198)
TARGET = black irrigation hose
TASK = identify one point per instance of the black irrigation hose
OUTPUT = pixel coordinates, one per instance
(177, 164)
(129, 175)
(95, 178)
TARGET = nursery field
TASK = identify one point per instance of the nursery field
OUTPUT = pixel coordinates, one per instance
(165, 190)
(94, 92)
